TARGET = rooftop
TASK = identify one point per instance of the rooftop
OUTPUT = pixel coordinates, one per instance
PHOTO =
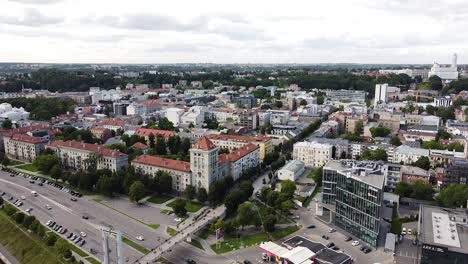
(444, 227)
(204, 144)
(369, 172)
(312, 144)
(140, 145)
(412, 170)
(87, 147)
(148, 131)
(239, 138)
(294, 166)
(27, 138)
(163, 163)
(323, 254)
(403, 149)
(235, 155)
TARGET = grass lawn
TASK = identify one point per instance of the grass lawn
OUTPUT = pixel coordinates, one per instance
(283, 232)
(92, 260)
(164, 211)
(190, 206)
(153, 226)
(135, 245)
(232, 243)
(28, 167)
(15, 162)
(26, 248)
(159, 198)
(196, 243)
(171, 231)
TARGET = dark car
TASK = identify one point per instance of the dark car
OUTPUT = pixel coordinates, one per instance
(247, 262)
(73, 199)
(93, 251)
(85, 217)
(348, 239)
(70, 235)
(311, 226)
(40, 184)
(363, 247)
(31, 181)
(325, 237)
(190, 261)
(331, 244)
(387, 219)
(335, 248)
(367, 250)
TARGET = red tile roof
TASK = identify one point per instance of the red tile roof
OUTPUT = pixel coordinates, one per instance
(204, 144)
(27, 138)
(111, 122)
(140, 145)
(24, 130)
(87, 147)
(147, 131)
(239, 153)
(163, 163)
(239, 138)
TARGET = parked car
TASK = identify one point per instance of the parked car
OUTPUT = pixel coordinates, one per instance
(85, 217)
(48, 207)
(190, 261)
(330, 244)
(348, 239)
(331, 230)
(325, 237)
(311, 226)
(140, 238)
(355, 243)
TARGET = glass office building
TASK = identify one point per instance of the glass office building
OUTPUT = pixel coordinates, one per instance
(355, 188)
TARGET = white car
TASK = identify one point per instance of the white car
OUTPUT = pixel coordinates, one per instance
(29, 210)
(140, 238)
(23, 198)
(34, 193)
(178, 219)
(355, 243)
(48, 207)
(83, 234)
(264, 256)
(404, 231)
(409, 231)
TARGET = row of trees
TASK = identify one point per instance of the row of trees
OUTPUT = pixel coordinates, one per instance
(42, 108)
(417, 190)
(31, 223)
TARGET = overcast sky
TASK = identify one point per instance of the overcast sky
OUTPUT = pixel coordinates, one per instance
(241, 31)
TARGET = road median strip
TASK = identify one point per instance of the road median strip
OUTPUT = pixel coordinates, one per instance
(135, 246)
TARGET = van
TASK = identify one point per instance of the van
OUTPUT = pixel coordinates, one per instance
(34, 193)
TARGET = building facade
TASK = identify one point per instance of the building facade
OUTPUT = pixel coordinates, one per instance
(313, 154)
(23, 147)
(233, 142)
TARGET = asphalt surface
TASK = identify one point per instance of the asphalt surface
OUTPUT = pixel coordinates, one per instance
(69, 214)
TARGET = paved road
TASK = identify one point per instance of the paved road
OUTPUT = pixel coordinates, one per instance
(185, 230)
(69, 214)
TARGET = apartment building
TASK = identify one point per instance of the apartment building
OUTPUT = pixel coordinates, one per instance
(23, 147)
(146, 132)
(313, 154)
(77, 155)
(407, 155)
(238, 161)
(179, 170)
(233, 142)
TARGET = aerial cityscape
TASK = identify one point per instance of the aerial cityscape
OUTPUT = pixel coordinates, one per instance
(248, 132)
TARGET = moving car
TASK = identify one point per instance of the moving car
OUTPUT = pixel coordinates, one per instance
(73, 199)
(190, 261)
(140, 238)
(85, 217)
(34, 193)
(311, 226)
(404, 231)
(264, 256)
(325, 237)
(48, 207)
(331, 230)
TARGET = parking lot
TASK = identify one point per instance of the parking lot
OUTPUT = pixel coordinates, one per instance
(70, 214)
(406, 252)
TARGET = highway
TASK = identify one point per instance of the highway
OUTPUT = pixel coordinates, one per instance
(69, 214)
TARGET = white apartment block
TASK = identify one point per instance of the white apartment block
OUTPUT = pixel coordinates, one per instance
(77, 155)
(178, 170)
(240, 160)
(23, 147)
(195, 115)
(313, 154)
(291, 171)
(173, 114)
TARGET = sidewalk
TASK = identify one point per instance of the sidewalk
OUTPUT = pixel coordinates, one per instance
(6, 257)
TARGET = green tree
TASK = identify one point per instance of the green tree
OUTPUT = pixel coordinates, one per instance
(320, 100)
(105, 186)
(454, 195)
(152, 143)
(174, 144)
(136, 192)
(423, 162)
(19, 217)
(378, 154)
(232, 201)
(190, 192)
(245, 214)
(55, 172)
(45, 162)
(442, 134)
(288, 187)
(395, 141)
(28, 220)
(51, 239)
(165, 124)
(202, 195)
(278, 104)
(303, 102)
(421, 190)
(269, 223)
(379, 131)
(160, 145)
(403, 189)
(358, 127)
(219, 224)
(5, 161)
(179, 207)
(7, 124)
(436, 82)
(62, 246)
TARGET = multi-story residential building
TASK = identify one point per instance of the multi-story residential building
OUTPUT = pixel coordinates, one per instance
(354, 96)
(23, 147)
(179, 170)
(245, 101)
(442, 235)
(238, 161)
(248, 119)
(77, 155)
(278, 117)
(313, 154)
(425, 120)
(341, 147)
(146, 132)
(101, 133)
(388, 120)
(194, 116)
(224, 115)
(353, 192)
(204, 163)
(411, 174)
(407, 155)
(457, 172)
(112, 124)
(233, 142)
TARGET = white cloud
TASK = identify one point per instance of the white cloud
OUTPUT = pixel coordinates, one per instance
(303, 31)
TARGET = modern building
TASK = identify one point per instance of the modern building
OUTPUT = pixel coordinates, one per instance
(382, 91)
(291, 171)
(353, 192)
(447, 74)
(12, 113)
(77, 155)
(245, 101)
(233, 142)
(313, 154)
(354, 96)
(457, 173)
(443, 235)
(179, 170)
(248, 119)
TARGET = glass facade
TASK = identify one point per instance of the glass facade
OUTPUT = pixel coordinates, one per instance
(358, 205)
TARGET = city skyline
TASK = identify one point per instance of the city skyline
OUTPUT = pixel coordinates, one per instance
(397, 32)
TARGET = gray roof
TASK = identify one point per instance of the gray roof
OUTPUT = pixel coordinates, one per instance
(370, 172)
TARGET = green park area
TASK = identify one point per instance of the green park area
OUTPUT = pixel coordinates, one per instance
(190, 206)
(28, 167)
(159, 198)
